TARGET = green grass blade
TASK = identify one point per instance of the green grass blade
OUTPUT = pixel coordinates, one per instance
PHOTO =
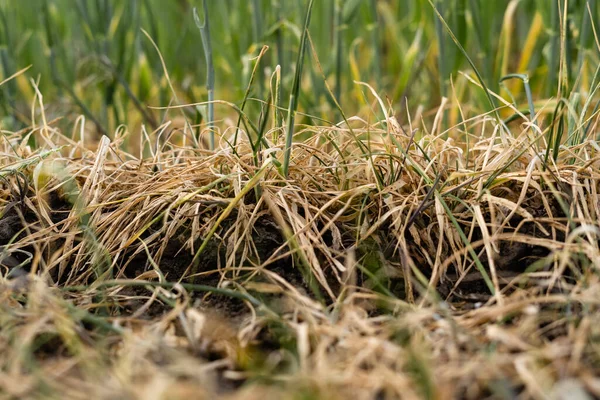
(204, 28)
(295, 93)
(491, 101)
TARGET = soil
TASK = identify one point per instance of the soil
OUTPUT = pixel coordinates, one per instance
(514, 257)
(471, 292)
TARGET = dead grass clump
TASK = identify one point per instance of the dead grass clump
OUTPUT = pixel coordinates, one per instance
(387, 265)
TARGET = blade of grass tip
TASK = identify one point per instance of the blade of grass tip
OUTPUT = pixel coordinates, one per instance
(262, 127)
(245, 99)
(28, 162)
(573, 134)
(525, 79)
(277, 112)
(198, 121)
(471, 63)
(256, 149)
(204, 28)
(555, 131)
(399, 146)
(13, 76)
(295, 93)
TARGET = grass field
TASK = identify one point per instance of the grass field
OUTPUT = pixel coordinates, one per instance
(267, 199)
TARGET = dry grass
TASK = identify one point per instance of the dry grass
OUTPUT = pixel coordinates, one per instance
(421, 268)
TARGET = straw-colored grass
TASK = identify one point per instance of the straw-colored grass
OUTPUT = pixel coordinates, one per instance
(440, 240)
(416, 270)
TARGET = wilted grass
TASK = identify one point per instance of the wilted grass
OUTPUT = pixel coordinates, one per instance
(426, 228)
(129, 275)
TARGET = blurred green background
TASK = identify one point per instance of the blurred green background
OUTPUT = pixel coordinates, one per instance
(91, 57)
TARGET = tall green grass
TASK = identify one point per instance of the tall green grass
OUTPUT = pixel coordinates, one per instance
(91, 57)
